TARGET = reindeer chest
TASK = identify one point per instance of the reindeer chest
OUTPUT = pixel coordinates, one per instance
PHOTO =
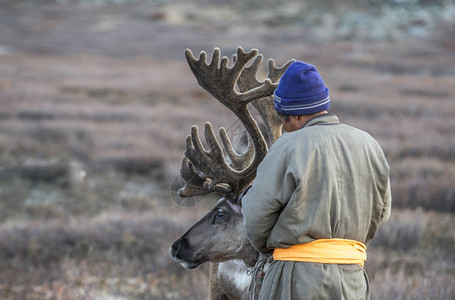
(235, 279)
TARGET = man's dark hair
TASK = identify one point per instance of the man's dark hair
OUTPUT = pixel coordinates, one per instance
(283, 116)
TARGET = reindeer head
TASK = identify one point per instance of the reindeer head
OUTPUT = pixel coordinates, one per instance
(219, 235)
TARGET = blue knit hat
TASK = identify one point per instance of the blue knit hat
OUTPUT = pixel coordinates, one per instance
(301, 91)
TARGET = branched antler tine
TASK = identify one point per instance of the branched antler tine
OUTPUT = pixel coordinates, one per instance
(248, 79)
(222, 188)
(218, 169)
(264, 90)
(216, 153)
(194, 185)
(255, 65)
(203, 57)
(196, 149)
(196, 153)
(238, 162)
(224, 65)
(187, 171)
(198, 66)
(275, 73)
(215, 58)
(209, 165)
(252, 70)
(196, 182)
(220, 81)
(190, 144)
(242, 59)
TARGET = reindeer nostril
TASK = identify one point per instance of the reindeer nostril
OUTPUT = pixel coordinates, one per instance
(173, 247)
(184, 242)
(178, 245)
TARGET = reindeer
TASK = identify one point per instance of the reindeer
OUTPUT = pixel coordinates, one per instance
(219, 237)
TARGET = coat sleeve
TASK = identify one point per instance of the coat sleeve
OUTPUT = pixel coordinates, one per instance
(269, 193)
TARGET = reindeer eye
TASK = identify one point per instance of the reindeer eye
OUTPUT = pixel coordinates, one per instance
(219, 216)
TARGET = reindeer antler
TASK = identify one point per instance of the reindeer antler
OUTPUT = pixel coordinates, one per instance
(264, 106)
(206, 170)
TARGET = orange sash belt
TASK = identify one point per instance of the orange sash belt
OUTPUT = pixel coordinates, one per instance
(327, 251)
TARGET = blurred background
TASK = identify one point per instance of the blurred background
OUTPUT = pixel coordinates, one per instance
(96, 100)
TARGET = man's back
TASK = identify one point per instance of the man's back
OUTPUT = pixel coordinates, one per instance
(323, 183)
(326, 180)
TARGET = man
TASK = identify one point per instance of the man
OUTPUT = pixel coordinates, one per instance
(320, 194)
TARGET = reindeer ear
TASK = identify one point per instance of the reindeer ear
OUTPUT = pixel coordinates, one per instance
(238, 201)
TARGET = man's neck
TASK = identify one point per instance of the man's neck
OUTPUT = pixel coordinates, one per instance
(299, 121)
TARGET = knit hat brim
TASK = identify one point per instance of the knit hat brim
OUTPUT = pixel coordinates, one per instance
(302, 106)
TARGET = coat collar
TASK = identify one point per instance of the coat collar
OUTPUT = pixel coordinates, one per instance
(325, 119)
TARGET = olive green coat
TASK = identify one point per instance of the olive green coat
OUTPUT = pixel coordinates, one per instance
(326, 180)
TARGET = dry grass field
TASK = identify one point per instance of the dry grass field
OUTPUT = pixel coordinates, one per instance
(96, 100)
